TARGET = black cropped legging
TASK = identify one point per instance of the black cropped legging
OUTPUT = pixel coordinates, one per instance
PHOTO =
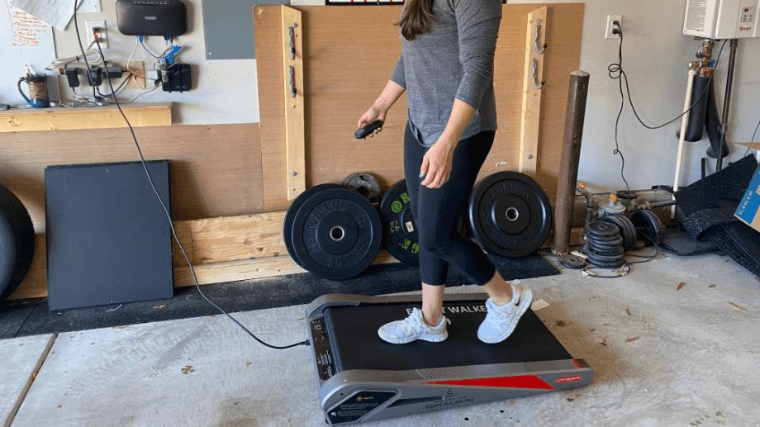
(437, 211)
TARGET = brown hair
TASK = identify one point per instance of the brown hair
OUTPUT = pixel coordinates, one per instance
(416, 18)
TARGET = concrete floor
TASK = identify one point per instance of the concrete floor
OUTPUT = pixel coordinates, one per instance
(673, 343)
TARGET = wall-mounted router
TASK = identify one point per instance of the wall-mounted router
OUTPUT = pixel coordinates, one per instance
(166, 18)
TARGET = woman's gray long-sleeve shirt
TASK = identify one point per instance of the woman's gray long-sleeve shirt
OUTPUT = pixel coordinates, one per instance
(454, 60)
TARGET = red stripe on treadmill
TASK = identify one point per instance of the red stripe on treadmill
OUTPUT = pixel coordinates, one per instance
(527, 381)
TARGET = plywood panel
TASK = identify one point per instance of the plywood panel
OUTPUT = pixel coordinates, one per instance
(349, 56)
(215, 170)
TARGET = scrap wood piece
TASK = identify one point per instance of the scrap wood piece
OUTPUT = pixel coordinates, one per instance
(292, 61)
(531, 93)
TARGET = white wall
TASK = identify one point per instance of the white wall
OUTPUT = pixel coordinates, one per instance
(655, 58)
(224, 91)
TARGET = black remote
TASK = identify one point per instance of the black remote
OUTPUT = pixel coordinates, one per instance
(362, 133)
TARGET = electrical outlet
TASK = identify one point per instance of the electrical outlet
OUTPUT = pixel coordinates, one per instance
(137, 68)
(608, 34)
(91, 25)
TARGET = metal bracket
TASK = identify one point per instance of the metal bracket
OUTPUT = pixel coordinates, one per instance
(293, 90)
(536, 84)
(291, 34)
(540, 49)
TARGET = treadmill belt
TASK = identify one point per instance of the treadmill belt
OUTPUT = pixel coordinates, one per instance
(356, 345)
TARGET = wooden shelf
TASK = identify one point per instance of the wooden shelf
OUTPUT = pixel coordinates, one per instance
(48, 119)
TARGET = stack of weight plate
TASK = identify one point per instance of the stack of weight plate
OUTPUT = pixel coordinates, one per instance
(648, 226)
(627, 230)
(332, 231)
(604, 244)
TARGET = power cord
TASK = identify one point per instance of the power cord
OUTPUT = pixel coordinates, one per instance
(616, 72)
(168, 215)
(618, 68)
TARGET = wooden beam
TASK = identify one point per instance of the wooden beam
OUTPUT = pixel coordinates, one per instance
(50, 119)
(249, 270)
(531, 94)
(215, 240)
(292, 61)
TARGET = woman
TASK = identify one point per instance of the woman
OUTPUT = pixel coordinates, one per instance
(446, 69)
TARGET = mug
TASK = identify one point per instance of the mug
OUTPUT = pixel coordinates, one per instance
(37, 90)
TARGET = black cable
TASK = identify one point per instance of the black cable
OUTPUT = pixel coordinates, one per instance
(619, 66)
(117, 89)
(81, 47)
(174, 233)
(616, 71)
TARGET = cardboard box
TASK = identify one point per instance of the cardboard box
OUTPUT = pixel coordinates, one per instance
(749, 208)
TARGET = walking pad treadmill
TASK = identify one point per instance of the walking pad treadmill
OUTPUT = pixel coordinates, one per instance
(361, 378)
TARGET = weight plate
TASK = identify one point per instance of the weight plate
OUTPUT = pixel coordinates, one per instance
(509, 214)
(290, 214)
(336, 233)
(572, 261)
(648, 227)
(606, 250)
(398, 222)
(365, 183)
(627, 230)
(616, 241)
(605, 261)
(602, 229)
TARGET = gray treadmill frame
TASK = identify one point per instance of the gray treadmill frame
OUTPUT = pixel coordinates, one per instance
(342, 387)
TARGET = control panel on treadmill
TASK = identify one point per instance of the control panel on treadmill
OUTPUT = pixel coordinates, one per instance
(322, 352)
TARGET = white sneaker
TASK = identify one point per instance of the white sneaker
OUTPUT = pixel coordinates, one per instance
(501, 320)
(413, 328)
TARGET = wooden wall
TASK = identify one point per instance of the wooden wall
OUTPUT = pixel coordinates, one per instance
(215, 170)
(349, 55)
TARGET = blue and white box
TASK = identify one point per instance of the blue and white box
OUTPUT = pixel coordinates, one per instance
(749, 208)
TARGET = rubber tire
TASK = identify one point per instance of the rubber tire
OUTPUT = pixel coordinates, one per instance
(16, 242)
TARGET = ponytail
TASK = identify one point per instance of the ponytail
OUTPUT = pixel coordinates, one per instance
(416, 18)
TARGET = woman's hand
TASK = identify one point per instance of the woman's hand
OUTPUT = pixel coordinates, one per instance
(370, 116)
(437, 163)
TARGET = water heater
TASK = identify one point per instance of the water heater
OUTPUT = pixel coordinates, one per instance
(721, 19)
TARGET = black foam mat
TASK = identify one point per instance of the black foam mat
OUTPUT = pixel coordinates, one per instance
(708, 207)
(25, 318)
(356, 345)
(681, 243)
(108, 240)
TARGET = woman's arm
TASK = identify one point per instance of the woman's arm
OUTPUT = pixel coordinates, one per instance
(390, 94)
(436, 165)
(478, 26)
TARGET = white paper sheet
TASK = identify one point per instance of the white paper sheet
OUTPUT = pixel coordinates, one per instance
(56, 13)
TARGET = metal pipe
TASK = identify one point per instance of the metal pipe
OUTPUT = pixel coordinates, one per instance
(571, 153)
(727, 103)
(684, 122)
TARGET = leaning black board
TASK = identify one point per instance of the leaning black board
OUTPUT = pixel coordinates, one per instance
(108, 238)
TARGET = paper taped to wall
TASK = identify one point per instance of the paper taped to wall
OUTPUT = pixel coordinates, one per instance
(56, 13)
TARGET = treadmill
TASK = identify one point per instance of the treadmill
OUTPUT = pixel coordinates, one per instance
(362, 378)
